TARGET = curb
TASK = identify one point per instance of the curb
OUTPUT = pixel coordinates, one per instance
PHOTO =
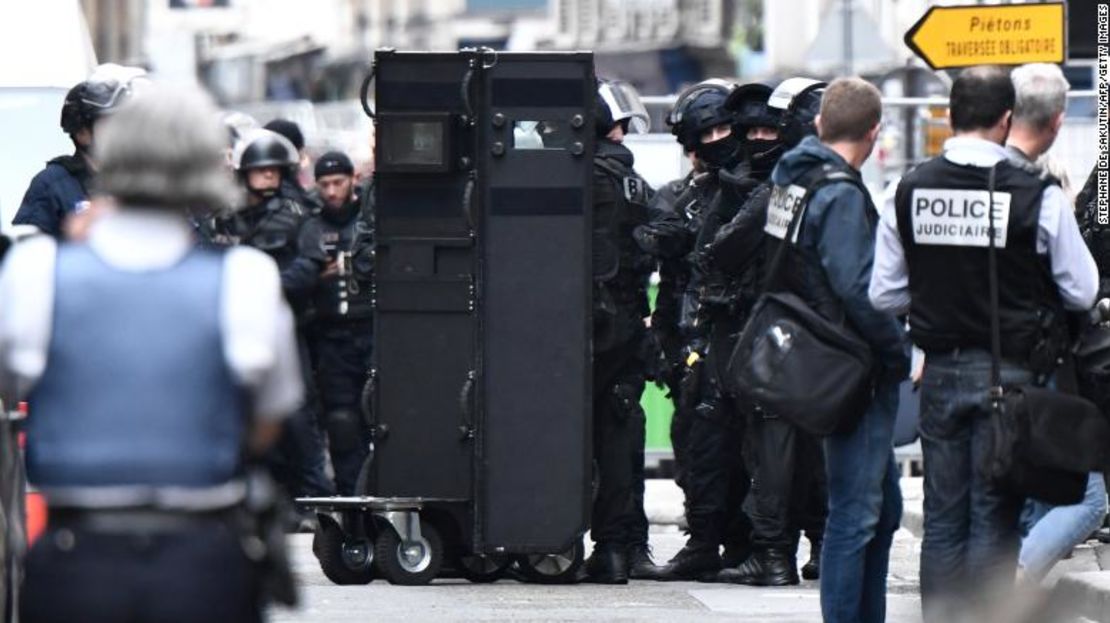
(1083, 594)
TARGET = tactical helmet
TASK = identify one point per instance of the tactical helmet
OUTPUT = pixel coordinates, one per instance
(799, 99)
(699, 108)
(619, 102)
(261, 148)
(108, 87)
(748, 103)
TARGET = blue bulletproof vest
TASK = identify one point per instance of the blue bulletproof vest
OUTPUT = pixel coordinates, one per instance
(136, 390)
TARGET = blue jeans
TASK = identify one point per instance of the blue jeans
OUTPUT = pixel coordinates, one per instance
(865, 507)
(970, 544)
(1052, 531)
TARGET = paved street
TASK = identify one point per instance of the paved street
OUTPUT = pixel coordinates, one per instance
(458, 600)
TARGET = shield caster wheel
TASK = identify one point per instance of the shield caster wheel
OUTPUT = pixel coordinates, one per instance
(409, 564)
(344, 560)
(561, 568)
(483, 568)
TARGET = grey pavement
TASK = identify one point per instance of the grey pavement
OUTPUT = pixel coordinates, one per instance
(507, 600)
(1078, 589)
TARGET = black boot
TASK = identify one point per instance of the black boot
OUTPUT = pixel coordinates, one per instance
(772, 567)
(692, 562)
(608, 564)
(735, 553)
(640, 564)
(812, 569)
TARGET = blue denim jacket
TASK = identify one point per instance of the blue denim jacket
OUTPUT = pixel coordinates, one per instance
(837, 242)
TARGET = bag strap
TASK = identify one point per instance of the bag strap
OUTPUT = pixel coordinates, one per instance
(992, 263)
(814, 180)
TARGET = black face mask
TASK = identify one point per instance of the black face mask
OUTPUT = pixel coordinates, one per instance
(763, 154)
(721, 153)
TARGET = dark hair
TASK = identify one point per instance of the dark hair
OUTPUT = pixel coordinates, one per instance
(850, 108)
(980, 96)
(289, 130)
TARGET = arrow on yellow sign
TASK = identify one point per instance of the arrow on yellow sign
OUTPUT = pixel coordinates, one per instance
(1013, 34)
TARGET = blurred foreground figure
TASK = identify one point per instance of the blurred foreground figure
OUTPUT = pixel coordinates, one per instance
(140, 433)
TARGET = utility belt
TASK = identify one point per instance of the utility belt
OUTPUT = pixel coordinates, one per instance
(1044, 356)
(137, 520)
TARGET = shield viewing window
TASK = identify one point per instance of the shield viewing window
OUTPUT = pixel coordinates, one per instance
(415, 143)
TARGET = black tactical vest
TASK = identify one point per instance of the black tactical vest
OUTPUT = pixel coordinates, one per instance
(726, 292)
(347, 296)
(620, 267)
(943, 223)
(272, 227)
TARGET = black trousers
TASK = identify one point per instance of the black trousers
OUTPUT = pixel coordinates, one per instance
(716, 478)
(194, 576)
(790, 490)
(342, 354)
(618, 512)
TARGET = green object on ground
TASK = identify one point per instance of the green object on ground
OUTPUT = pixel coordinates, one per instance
(658, 409)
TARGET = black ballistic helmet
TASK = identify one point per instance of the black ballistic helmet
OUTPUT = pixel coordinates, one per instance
(698, 109)
(799, 99)
(748, 104)
(108, 87)
(264, 148)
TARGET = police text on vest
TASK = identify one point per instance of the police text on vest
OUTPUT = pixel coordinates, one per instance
(958, 217)
(784, 202)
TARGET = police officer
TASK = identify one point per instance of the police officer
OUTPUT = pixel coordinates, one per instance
(710, 448)
(281, 227)
(1043, 267)
(62, 188)
(342, 336)
(140, 432)
(788, 473)
(677, 212)
(621, 271)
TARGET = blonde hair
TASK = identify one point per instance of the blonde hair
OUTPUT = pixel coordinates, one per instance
(850, 108)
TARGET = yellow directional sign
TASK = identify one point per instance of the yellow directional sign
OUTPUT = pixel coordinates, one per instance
(1010, 34)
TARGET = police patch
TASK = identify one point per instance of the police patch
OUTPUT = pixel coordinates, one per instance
(784, 202)
(635, 190)
(959, 218)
